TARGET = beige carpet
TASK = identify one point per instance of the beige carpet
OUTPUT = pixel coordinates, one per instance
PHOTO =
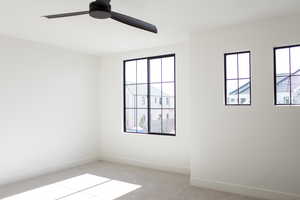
(109, 181)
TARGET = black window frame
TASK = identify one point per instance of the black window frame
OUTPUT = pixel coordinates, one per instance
(238, 79)
(148, 95)
(289, 76)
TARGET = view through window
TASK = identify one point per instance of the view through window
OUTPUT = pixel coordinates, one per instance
(149, 95)
(237, 78)
(287, 75)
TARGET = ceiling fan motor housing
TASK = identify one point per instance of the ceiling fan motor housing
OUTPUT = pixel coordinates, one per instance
(100, 9)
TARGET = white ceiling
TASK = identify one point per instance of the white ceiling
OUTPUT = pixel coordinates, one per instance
(175, 20)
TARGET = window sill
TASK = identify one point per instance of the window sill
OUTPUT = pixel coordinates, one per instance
(157, 134)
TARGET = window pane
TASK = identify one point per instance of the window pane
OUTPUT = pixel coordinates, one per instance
(282, 62)
(155, 96)
(244, 91)
(131, 96)
(130, 120)
(295, 60)
(168, 98)
(142, 100)
(283, 90)
(142, 120)
(156, 119)
(244, 65)
(168, 69)
(142, 71)
(130, 69)
(168, 121)
(155, 70)
(231, 66)
(232, 92)
(295, 89)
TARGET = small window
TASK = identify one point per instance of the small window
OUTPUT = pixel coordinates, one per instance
(167, 101)
(149, 95)
(287, 75)
(238, 78)
(160, 101)
(143, 100)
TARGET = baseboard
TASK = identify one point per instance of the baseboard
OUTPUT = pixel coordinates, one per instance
(244, 190)
(146, 164)
(50, 169)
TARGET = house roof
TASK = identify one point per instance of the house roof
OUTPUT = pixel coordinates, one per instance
(283, 84)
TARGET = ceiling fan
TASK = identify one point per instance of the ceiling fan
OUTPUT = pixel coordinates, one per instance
(101, 9)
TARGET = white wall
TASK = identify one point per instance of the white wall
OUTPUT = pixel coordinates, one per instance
(251, 150)
(47, 109)
(49, 114)
(161, 152)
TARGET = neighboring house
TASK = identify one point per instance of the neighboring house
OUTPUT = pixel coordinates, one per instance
(244, 93)
(157, 100)
(283, 90)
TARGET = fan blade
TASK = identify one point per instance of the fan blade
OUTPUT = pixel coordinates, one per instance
(67, 14)
(133, 22)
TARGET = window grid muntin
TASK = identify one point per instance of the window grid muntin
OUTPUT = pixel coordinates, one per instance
(148, 94)
(238, 79)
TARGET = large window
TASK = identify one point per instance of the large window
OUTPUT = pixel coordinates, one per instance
(149, 95)
(287, 75)
(237, 78)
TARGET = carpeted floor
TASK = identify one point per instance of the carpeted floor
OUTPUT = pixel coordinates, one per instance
(110, 181)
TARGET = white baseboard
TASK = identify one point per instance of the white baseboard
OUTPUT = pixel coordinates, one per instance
(245, 190)
(145, 164)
